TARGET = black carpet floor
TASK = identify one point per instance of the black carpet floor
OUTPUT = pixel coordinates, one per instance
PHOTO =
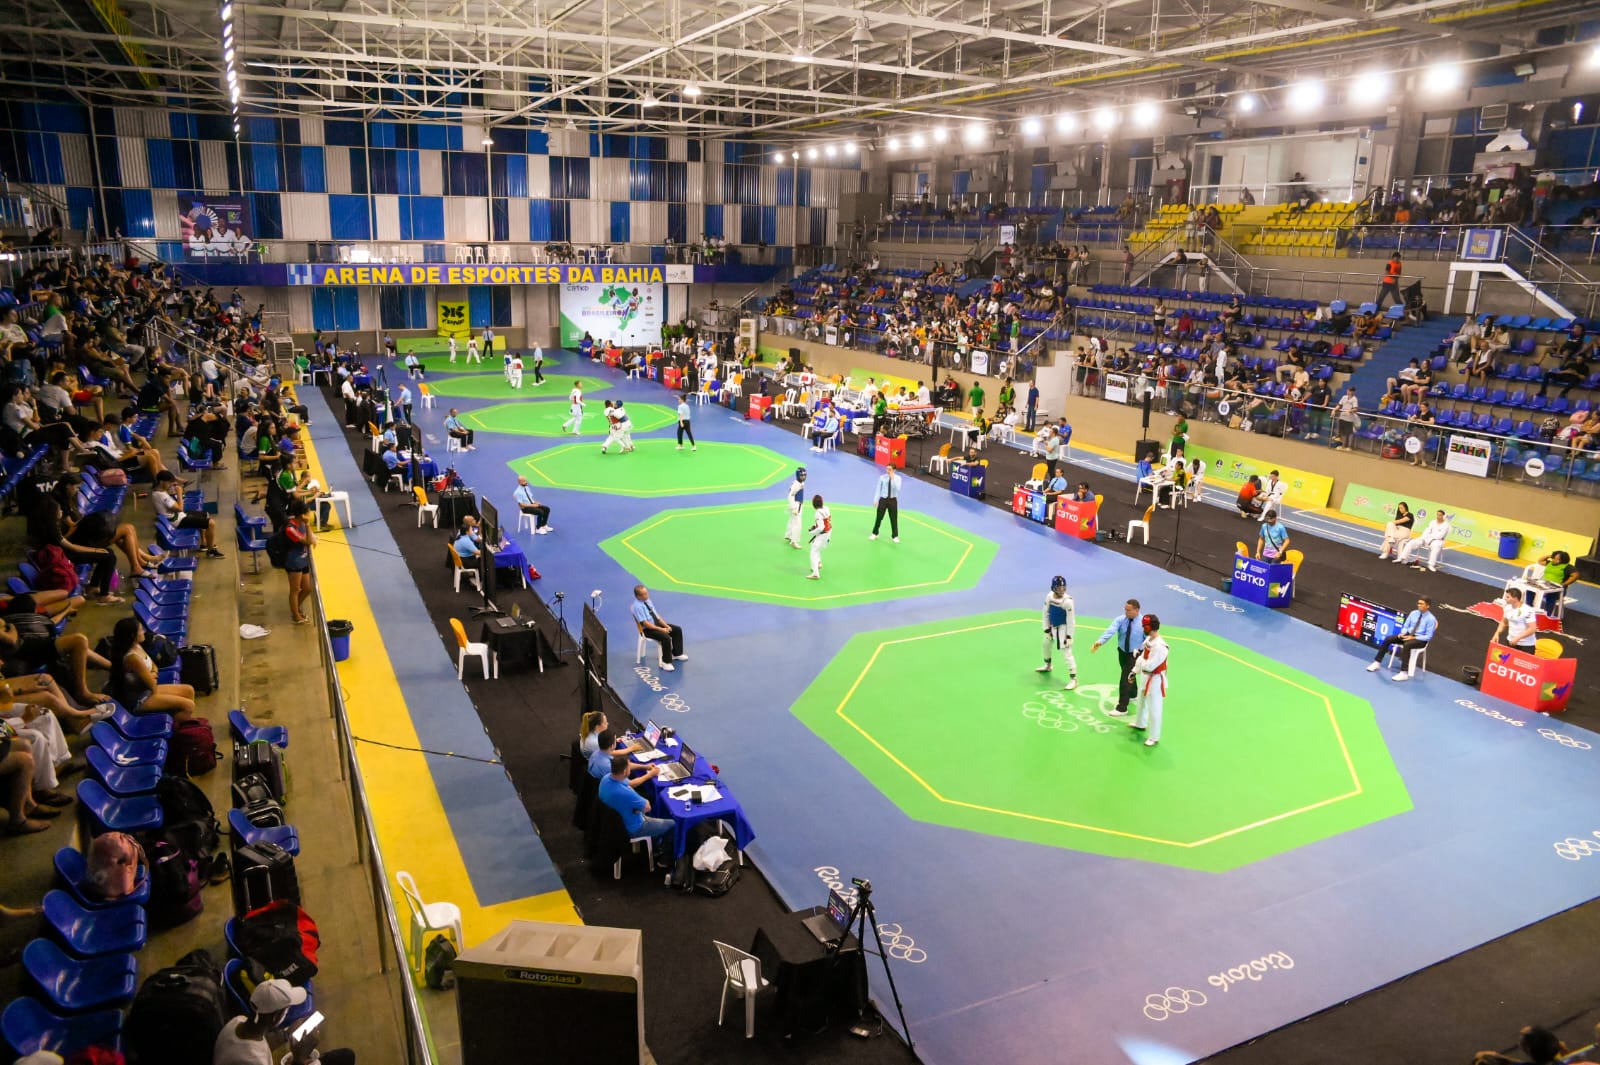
(532, 719)
(1543, 974)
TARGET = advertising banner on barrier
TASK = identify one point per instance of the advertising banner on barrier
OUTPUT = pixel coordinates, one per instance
(1468, 527)
(1263, 583)
(474, 274)
(1306, 489)
(1116, 388)
(1531, 682)
(453, 319)
(629, 315)
(1468, 454)
(980, 362)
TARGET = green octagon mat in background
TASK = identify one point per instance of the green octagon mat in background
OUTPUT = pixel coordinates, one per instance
(655, 469)
(1256, 758)
(494, 386)
(544, 419)
(738, 552)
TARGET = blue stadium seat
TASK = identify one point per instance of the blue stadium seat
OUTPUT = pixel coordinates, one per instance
(245, 732)
(110, 813)
(120, 780)
(125, 751)
(29, 1027)
(241, 829)
(76, 984)
(91, 931)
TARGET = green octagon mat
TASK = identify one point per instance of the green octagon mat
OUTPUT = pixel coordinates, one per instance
(544, 419)
(1256, 758)
(749, 560)
(655, 469)
(494, 386)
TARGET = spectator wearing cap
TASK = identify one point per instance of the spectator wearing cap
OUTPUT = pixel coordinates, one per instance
(168, 506)
(260, 1039)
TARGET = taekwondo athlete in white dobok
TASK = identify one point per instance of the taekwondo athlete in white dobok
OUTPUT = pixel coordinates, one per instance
(514, 374)
(472, 350)
(797, 502)
(609, 412)
(821, 532)
(1433, 539)
(1059, 619)
(1150, 677)
(452, 347)
(575, 419)
(1271, 495)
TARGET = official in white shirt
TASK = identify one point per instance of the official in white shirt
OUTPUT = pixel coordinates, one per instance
(888, 499)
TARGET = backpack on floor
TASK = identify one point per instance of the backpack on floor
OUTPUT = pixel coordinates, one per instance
(437, 961)
(176, 883)
(192, 749)
(111, 866)
(177, 1014)
(716, 882)
(282, 939)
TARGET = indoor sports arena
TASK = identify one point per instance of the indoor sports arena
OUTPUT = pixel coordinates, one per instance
(668, 533)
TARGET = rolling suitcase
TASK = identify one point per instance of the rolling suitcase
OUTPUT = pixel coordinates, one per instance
(198, 667)
(263, 873)
(253, 796)
(263, 758)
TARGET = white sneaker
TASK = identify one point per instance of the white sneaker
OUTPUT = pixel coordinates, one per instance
(1402, 676)
(668, 666)
(895, 539)
(872, 536)
(813, 576)
(543, 529)
(695, 447)
(1043, 669)
(680, 447)
(1072, 682)
(1151, 743)
(680, 658)
(1374, 667)
(1116, 713)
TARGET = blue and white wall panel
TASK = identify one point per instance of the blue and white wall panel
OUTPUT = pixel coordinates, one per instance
(336, 163)
(305, 216)
(386, 212)
(214, 166)
(430, 173)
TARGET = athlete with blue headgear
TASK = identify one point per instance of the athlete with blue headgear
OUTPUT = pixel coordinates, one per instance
(1059, 620)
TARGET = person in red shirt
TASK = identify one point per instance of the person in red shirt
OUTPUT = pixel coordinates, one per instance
(1249, 506)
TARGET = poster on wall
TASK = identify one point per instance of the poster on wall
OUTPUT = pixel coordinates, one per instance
(453, 319)
(1116, 388)
(980, 361)
(213, 227)
(629, 315)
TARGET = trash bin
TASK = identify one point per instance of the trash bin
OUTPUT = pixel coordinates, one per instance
(1471, 676)
(1510, 544)
(339, 632)
(1227, 584)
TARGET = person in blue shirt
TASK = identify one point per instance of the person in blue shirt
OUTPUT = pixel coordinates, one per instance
(1033, 406)
(1273, 540)
(1128, 635)
(608, 747)
(657, 628)
(466, 544)
(391, 458)
(888, 500)
(1056, 484)
(617, 792)
(404, 403)
(1414, 634)
(453, 427)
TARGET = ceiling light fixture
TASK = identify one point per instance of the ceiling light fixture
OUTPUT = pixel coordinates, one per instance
(227, 53)
(1105, 118)
(831, 151)
(811, 153)
(940, 135)
(649, 100)
(1594, 57)
(1443, 77)
(236, 94)
(975, 133)
(918, 141)
(227, 29)
(1524, 68)
(1145, 113)
(488, 141)
(1066, 123)
(862, 34)
(691, 90)
(849, 147)
(1032, 126)
(1306, 95)
(1370, 88)
(1247, 103)
(893, 144)
(227, 12)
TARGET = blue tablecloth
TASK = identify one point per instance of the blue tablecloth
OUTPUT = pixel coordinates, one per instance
(511, 557)
(685, 816)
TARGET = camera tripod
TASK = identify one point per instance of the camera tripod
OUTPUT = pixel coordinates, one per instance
(866, 914)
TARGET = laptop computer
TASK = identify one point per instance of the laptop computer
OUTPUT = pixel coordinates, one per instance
(683, 767)
(832, 924)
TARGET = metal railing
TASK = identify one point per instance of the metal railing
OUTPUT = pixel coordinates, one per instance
(1000, 363)
(1272, 192)
(1379, 435)
(393, 960)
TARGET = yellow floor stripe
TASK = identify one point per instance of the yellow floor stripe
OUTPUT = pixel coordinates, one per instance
(413, 832)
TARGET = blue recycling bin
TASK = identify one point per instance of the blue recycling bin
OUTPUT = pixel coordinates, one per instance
(339, 632)
(1510, 544)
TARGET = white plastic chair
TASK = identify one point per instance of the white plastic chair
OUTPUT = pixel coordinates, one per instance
(466, 649)
(428, 917)
(428, 398)
(633, 843)
(452, 443)
(741, 974)
(644, 640)
(525, 518)
(1418, 659)
(1141, 524)
(332, 499)
(463, 571)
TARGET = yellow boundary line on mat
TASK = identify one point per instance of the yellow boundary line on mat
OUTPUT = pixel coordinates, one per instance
(408, 816)
(839, 711)
(909, 517)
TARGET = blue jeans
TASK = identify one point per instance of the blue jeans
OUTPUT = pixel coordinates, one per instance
(655, 827)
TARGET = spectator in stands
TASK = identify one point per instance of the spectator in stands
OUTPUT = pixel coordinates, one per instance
(23, 813)
(1348, 418)
(1575, 354)
(133, 676)
(297, 564)
(47, 742)
(48, 527)
(168, 506)
(260, 1039)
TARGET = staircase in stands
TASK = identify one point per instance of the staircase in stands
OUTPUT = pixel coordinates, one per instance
(1420, 342)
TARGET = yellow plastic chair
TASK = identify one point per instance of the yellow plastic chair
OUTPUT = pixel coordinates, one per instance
(1547, 648)
(1241, 548)
(425, 508)
(1039, 471)
(941, 460)
(1294, 556)
(466, 649)
(1142, 524)
(460, 569)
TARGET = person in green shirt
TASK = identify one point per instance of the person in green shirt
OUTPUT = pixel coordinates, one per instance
(1008, 395)
(1559, 571)
(880, 408)
(1180, 435)
(975, 397)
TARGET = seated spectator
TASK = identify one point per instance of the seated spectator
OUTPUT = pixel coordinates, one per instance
(260, 1039)
(133, 676)
(1397, 533)
(1433, 539)
(46, 742)
(24, 814)
(168, 506)
(28, 644)
(1248, 503)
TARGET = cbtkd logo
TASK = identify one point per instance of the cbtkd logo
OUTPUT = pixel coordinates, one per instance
(1250, 578)
(1516, 676)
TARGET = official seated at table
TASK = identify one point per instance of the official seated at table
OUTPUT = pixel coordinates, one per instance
(594, 724)
(1560, 573)
(1057, 483)
(469, 539)
(618, 792)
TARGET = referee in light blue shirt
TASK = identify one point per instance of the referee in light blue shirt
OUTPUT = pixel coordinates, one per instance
(1414, 634)
(1128, 634)
(888, 503)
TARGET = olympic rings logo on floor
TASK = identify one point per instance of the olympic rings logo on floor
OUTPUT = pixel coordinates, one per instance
(1057, 710)
(1576, 848)
(1174, 1000)
(1229, 607)
(900, 946)
(1565, 740)
(674, 702)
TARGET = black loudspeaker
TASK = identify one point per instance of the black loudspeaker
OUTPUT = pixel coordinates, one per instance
(1145, 448)
(1147, 412)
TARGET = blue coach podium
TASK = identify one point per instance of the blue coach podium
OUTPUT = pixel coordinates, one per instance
(1263, 583)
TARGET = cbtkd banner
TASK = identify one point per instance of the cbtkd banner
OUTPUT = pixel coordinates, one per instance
(1522, 677)
(453, 319)
(627, 315)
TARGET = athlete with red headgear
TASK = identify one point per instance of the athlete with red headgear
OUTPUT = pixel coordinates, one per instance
(1150, 675)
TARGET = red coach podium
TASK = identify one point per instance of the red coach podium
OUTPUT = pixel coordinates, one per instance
(1078, 517)
(890, 451)
(757, 410)
(1528, 680)
(672, 376)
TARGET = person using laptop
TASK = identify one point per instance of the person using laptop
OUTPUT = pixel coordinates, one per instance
(600, 762)
(617, 790)
(594, 724)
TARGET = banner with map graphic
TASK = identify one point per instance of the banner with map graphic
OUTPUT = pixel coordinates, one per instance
(628, 315)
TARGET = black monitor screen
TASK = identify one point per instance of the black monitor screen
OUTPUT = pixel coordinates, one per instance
(594, 643)
(490, 517)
